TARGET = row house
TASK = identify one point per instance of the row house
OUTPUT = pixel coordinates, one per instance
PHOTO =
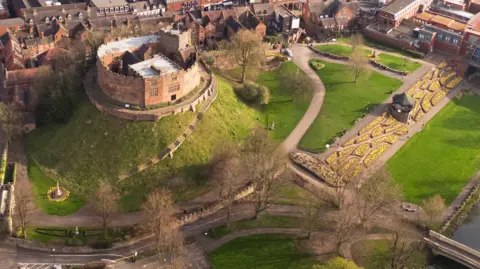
(394, 13)
(325, 16)
(277, 18)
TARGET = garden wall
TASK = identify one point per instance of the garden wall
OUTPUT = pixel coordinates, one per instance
(384, 67)
(329, 55)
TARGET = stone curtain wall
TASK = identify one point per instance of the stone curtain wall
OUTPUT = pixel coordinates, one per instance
(126, 89)
(191, 78)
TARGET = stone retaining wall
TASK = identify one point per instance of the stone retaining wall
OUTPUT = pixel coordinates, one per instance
(458, 211)
(384, 67)
(329, 55)
(205, 211)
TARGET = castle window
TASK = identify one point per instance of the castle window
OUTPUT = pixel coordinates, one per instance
(174, 78)
(173, 97)
(154, 92)
(173, 88)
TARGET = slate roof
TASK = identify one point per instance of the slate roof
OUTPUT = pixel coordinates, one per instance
(403, 99)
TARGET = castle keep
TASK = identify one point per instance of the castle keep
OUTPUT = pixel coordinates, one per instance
(148, 70)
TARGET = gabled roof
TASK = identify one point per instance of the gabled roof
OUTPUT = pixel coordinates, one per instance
(263, 9)
(128, 59)
(47, 57)
(12, 22)
(403, 99)
(234, 24)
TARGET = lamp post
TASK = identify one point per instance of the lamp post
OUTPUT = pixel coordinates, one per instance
(53, 256)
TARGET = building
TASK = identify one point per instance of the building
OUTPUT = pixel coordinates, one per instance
(284, 20)
(394, 13)
(329, 16)
(137, 71)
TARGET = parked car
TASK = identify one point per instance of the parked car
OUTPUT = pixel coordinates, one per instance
(288, 53)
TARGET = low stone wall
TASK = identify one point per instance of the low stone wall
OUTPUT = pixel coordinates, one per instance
(384, 67)
(329, 55)
(317, 167)
(474, 194)
(181, 220)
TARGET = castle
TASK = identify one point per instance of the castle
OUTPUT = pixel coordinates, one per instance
(148, 71)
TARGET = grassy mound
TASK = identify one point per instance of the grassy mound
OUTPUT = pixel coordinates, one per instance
(345, 101)
(261, 252)
(444, 156)
(93, 147)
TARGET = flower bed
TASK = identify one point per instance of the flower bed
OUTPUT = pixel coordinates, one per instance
(317, 167)
(425, 84)
(442, 65)
(394, 127)
(446, 76)
(402, 130)
(332, 158)
(454, 82)
(419, 115)
(362, 138)
(388, 138)
(419, 94)
(316, 64)
(377, 132)
(52, 190)
(438, 96)
(370, 126)
(390, 120)
(428, 75)
(426, 105)
(434, 86)
(344, 169)
(350, 142)
(436, 73)
(362, 149)
(375, 153)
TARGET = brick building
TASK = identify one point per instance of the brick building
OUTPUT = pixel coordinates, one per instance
(394, 13)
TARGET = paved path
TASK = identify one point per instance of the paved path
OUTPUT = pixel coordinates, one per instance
(302, 55)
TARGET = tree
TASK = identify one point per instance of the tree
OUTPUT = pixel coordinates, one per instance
(93, 41)
(159, 210)
(296, 82)
(358, 64)
(105, 202)
(264, 165)
(10, 118)
(356, 41)
(22, 209)
(337, 263)
(376, 194)
(313, 212)
(224, 171)
(346, 228)
(175, 250)
(403, 252)
(247, 49)
(434, 207)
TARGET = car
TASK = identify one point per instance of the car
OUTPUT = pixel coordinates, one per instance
(288, 53)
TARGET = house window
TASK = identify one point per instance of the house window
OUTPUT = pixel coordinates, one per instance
(117, 9)
(101, 11)
(422, 36)
(111, 10)
(455, 41)
(154, 92)
(448, 38)
(173, 88)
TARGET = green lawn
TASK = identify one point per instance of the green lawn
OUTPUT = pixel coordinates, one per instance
(444, 156)
(292, 194)
(339, 50)
(261, 252)
(345, 101)
(60, 235)
(40, 186)
(281, 110)
(264, 221)
(398, 63)
(364, 252)
(93, 146)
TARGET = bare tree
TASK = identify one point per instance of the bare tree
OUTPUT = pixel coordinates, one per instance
(356, 41)
(264, 165)
(22, 209)
(175, 250)
(313, 212)
(105, 203)
(346, 227)
(403, 252)
(224, 170)
(159, 210)
(10, 118)
(296, 82)
(376, 194)
(247, 49)
(358, 64)
(434, 207)
(93, 41)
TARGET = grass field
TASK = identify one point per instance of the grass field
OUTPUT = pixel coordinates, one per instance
(281, 109)
(93, 146)
(398, 63)
(340, 50)
(444, 156)
(345, 101)
(362, 252)
(41, 183)
(261, 252)
(59, 235)
(292, 194)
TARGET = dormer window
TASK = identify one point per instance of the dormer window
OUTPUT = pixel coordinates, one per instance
(80, 15)
(122, 9)
(117, 9)
(127, 8)
(154, 7)
(60, 18)
(69, 16)
(111, 10)
(47, 20)
(31, 22)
